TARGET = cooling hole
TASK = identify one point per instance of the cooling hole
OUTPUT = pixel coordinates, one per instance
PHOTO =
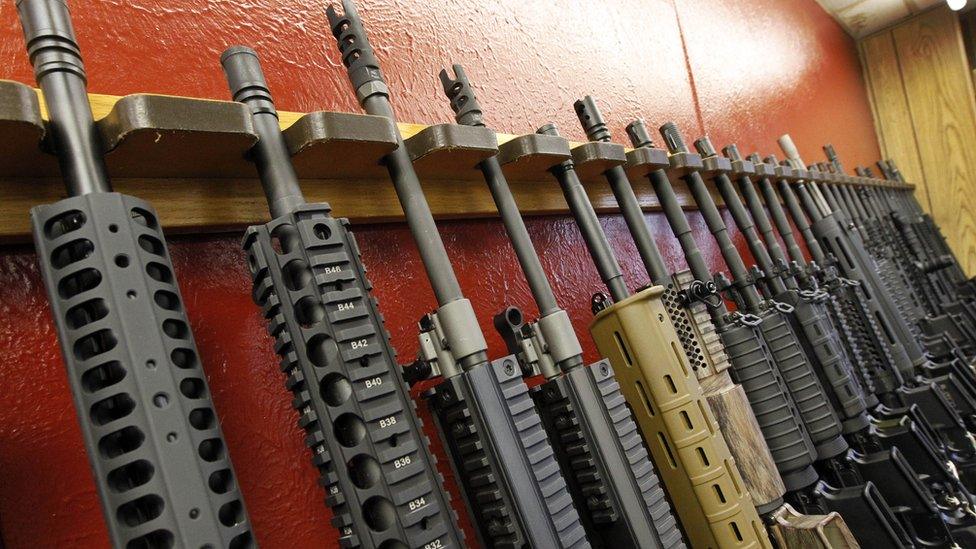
(220, 481)
(151, 244)
(78, 282)
(202, 419)
(349, 430)
(211, 449)
(183, 358)
(308, 311)
(167, 300)
(94, 344)
(144, 218)
(231, 513)
(379, 513)
(192, 387)
(176, 329)
(296, 274)
(72, 252)
(102, 376)
(120, 442)
(159, 272)
(320, 349)
(64, 223)
(141, 510)
(112, 408)
(130, 475)
(85, 313)
(335, 389)
(364, 470)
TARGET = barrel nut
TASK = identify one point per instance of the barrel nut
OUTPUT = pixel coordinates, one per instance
(557, 331)
(463, 334)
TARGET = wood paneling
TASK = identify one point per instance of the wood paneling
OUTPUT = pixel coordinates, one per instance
(896, 132)
(923, 99)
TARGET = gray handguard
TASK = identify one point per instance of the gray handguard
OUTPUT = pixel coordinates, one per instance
(503, 459)
(154, 442)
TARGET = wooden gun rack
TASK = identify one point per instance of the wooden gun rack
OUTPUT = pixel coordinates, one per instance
(188, 157)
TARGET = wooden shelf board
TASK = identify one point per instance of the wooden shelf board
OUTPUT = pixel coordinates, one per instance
(187, 157)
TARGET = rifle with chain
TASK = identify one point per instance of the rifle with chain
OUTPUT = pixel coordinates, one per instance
(696, 467)
(711, 363)
(862, 506)
(886, 467)
(898, 388)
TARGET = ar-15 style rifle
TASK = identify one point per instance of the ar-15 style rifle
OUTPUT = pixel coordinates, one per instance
(635, 333)
(818, 337)
(906, 389)
(942, 258)
(365, 439)
(945, 322)
(509, 474)
(744, 335)
(933, 262)
(838, 234)
(938, 295)
(154, 443)
(597, 443)
(710, 362)
(887, 468)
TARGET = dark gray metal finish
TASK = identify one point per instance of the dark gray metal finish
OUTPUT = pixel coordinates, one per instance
(785, 347)
(769, 397)
(153, 439)
(596, 130)
(646, 493)
(752, 362)
(367, 80)
(588, 223)
(247, 85)
(357, 413)
(60, 74)
(353, 404)
(504, 459)
(595, 438)
(468, 111)
(817, 336)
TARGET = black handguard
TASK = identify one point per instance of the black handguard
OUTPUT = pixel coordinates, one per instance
(366, 441)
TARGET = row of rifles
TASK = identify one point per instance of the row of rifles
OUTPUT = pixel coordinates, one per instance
(832, 405)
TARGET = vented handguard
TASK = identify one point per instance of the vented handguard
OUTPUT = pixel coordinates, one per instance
(154, 443)
(354, 406)
(681, 431)
(818, 417)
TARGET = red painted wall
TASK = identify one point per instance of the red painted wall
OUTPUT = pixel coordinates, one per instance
(738, 70)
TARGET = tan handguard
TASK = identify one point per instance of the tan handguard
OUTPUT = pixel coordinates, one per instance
(726, 399)
(795, 531)
(694, 461)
